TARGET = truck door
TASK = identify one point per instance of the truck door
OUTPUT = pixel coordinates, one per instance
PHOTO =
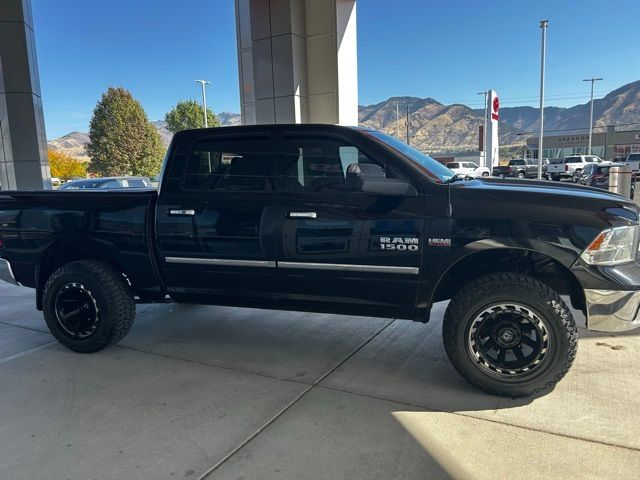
(215, 233)
(340, 247)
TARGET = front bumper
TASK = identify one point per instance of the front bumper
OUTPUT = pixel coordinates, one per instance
(6, 273)
(612, 310)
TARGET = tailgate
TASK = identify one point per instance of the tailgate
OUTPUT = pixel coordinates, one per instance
(555, 168)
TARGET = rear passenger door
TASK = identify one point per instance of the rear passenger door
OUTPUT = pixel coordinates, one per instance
(341, 248)
(215, 230)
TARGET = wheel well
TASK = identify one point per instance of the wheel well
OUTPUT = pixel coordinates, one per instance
(71, 250)
(528, 262)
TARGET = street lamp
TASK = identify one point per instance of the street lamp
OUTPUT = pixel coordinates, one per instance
(592, 80)
(543, 25)
(204, 100)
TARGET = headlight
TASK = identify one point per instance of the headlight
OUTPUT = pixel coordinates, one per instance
(613, 246)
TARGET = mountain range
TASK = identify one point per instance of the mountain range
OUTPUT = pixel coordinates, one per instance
(436, 128)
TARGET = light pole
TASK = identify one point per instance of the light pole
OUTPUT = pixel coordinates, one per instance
(543, 25)
(484, 129)
(204, 100)
(408, 126)
(397, 121)
(592, 80)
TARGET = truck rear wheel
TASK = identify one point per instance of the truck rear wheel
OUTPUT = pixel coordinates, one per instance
(510, 334)
(88, 305)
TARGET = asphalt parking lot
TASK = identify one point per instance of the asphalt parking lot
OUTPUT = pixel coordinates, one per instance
(230, 393)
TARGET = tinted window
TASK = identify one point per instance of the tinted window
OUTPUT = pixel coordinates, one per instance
(516, 162)
(110, 184)
(453, 165)
(319, 164)
(137, 183)
(433, 167)
(240, 165)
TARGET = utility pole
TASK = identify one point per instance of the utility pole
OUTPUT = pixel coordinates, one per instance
(484, 131)
(543, 26)
(408, 124)
(204, 100)
(397, 121)
(592, 80)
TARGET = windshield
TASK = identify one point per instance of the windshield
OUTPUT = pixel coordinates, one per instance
(433, 167)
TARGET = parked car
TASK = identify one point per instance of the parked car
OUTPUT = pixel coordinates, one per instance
(569, 166)
(518, 168)
(326, 218)
(633, 160)
(468, 168)
(108, 183)
(597, 175)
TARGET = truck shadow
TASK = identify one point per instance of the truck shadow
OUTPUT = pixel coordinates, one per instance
(400, 361)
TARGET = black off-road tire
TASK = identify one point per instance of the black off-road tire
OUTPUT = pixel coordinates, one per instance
(110, 300)
(521, 175)
(504, 288)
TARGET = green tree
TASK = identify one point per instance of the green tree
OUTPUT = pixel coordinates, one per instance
(188, 114)
(122, 141)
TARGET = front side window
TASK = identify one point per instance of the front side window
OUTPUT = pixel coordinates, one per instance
(317, 164)
(433, 168)
(235, 166)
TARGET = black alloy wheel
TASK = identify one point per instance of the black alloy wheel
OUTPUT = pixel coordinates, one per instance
(76, 311)
(508, 339)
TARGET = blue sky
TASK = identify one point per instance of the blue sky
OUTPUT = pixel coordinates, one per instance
(448, 50)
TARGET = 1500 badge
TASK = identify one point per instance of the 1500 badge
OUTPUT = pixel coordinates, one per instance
(411, 244)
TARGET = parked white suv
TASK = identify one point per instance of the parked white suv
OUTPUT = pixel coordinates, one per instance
(468, 168)
(570, 166)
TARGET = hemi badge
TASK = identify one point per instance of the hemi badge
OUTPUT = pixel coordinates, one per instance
(439, 242)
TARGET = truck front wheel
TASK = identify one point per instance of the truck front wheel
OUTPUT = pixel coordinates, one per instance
(510, 334)
(88, 305)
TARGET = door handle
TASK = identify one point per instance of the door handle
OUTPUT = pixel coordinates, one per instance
(302, 215)
(177, 212)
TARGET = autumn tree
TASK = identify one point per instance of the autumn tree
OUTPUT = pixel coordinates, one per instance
(189, 114)
(122, 141)
(65, 167)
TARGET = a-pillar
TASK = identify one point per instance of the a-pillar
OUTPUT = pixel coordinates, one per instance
(297, 61)
(23, 144)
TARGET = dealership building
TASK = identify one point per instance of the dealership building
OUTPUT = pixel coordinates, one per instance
(607, 145)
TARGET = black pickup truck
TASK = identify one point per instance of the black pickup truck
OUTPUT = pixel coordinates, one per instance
(334, 219)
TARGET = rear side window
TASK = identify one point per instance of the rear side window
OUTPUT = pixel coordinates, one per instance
(453, 165)
(516, 162)
(235, 166)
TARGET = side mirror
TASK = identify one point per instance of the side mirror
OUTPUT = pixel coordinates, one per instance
(369, 178)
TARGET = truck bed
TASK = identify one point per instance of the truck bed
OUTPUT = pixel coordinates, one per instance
(119, 222)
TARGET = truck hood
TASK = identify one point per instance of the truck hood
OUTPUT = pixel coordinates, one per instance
(536, 199)
(542, 188)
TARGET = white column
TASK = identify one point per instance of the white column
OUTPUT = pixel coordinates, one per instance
(297, 61)
(492, 148)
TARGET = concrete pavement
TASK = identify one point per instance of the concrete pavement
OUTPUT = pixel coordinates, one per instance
(212, 392)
